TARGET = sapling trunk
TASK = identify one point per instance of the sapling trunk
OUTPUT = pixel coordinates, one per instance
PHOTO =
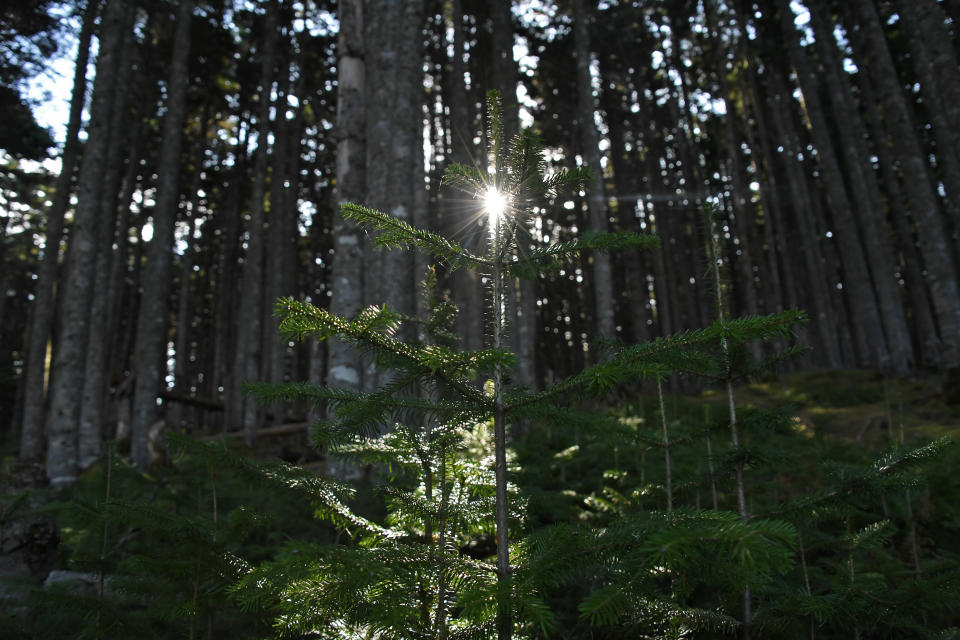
(643, 476)
(504, 622)
(713, 480)
(666, 447)
(806, 579)
(196, 574)
(850, 566)
(911, 520)
(441, 617)
(213, 499)
(734, 427)
(103, 539)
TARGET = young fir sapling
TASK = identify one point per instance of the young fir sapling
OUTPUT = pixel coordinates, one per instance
(417, 424)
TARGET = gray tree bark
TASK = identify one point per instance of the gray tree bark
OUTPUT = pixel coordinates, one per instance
(742, 209)
(459, 221)
(857, 284)
(153, 318)
(96, 377)
(602, 284)
(74, 297)
(634, 268)
(865, 192)
(282, 235)
(926, 341)
(869, 39)
(932, 55)
(405, 108)
(344, 365)
(815, 280)
(175, 414)
(228, 275)
(250, 316)
(41, 322)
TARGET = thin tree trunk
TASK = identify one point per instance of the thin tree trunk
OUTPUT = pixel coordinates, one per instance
(931, 30)
(666, 447)
(74, 297)
(249, 329)
(275, 248)
(602, 284)
(504, 572)
(734, 424)
(153, 318)
(41, 324)
(185, 310)
(120, 263)
(634, 272)
(742, 209)
(225, 368)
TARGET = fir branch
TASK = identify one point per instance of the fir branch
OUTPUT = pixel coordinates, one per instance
(888, 467)
(392, 232)
(533, 263)
(302, 319)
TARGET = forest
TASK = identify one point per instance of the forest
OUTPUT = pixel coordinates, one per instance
(449, 319)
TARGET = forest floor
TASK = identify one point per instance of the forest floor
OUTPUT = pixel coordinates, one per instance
(859, 405)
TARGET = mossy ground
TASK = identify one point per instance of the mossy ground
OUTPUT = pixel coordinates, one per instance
(856, 405)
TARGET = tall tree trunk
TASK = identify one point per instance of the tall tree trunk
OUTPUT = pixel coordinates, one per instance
(380, 23)
(742, 209)
(784, 292)
(870, 41)
(225, 358)
(185, 304)
(602, 284)
(153, 318)
(932, 55)
(96, 377)
(251, 312)
(120, 264)
(927, 344)
(866, 197)
(776, 297)
(35, 369)
(816, 279)
(634, 270)
(74, 297)
(461, 222)
(857, 284)
(406, 135)
(344, 365)
(281, 233)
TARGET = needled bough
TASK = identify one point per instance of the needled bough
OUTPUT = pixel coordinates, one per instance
(431, 569)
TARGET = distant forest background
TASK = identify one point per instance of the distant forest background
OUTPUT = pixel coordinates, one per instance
(210, 143)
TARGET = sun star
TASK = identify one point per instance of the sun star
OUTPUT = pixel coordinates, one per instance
(495, 204)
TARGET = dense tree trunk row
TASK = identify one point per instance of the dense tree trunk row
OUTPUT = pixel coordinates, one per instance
(822, 137)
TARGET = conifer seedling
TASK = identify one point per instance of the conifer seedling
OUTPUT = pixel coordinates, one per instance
(417, 426)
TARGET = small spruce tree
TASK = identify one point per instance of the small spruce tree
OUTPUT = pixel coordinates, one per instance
(414, 575)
